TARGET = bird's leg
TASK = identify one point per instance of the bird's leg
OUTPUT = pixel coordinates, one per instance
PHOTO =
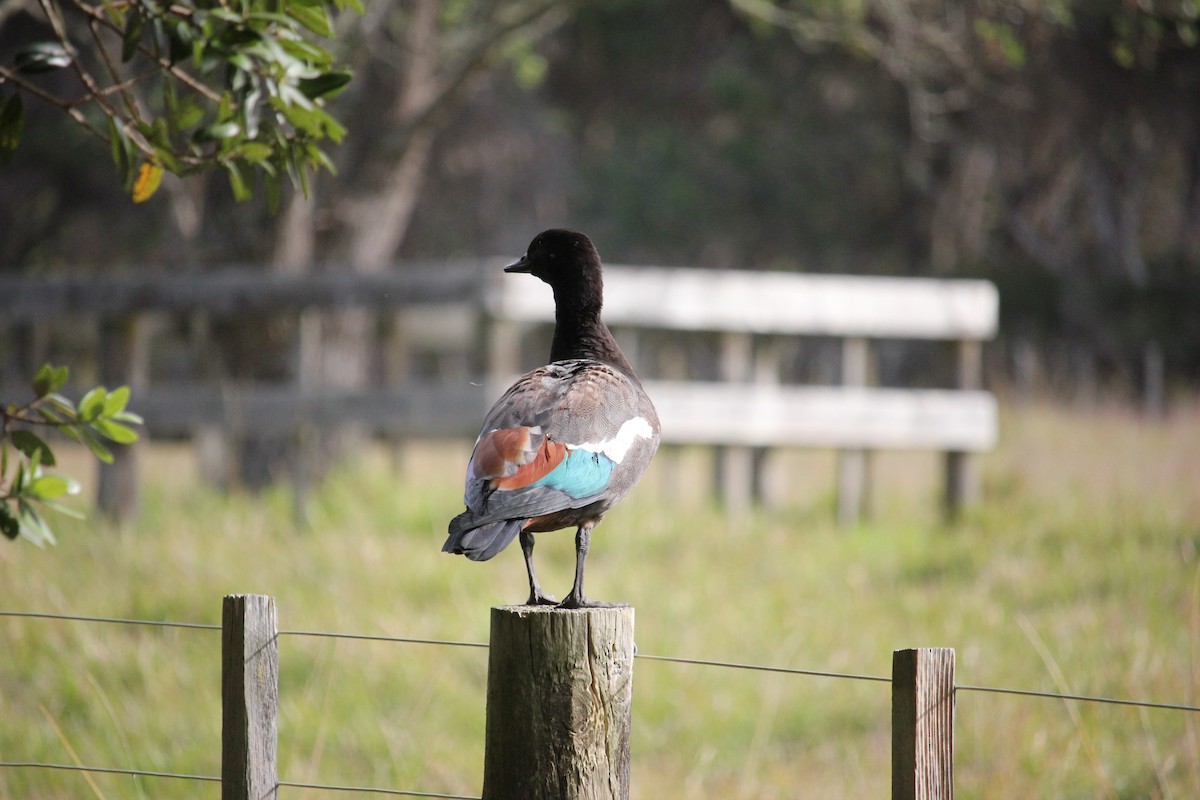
(536, 596)
(577, 599)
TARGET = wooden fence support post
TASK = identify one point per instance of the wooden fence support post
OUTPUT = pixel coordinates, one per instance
(923, 724)
(854, 465)
(249, 697)
(124, 357)
(962, 469)
(560, 690)
(734, 465)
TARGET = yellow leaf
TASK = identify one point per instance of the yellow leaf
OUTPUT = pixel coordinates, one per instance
(148, 179)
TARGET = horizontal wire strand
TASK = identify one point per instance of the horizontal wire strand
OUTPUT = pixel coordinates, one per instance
(371, 790)
(761, 668)
(111, 620)
(141, 773)
(1116, 701)
(378, 638)
(668, 659)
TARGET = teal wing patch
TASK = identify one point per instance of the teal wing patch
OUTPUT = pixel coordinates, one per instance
(581, 474)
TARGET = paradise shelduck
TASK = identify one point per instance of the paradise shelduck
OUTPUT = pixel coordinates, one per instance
(567, 440)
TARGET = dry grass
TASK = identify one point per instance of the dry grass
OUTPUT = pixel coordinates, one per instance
(1080, 574)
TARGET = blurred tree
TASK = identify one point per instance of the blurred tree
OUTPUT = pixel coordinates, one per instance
(710, 141)
(416, 62)
(182, 87)
(1060, 134)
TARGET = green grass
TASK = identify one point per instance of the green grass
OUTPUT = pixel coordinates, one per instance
(1081, 574)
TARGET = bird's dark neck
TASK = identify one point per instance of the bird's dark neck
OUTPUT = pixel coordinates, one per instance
(580, 333)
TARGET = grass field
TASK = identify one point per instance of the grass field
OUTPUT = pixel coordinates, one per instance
(1080, 574)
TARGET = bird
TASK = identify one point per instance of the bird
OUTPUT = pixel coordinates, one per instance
(568, 440)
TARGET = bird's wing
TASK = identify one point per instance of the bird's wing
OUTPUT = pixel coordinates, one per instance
(552, 441)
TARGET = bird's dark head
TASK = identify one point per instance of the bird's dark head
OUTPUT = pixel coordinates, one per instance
(562, 258)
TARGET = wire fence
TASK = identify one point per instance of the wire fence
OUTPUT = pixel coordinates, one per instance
(333, 788)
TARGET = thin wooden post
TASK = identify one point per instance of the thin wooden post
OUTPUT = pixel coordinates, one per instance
(854, 466)
(124, 360)
(560, 690)
(735, 465)
(923, 724)
(1154, 370)
(962, 469)
(768, 359)
(249, 697)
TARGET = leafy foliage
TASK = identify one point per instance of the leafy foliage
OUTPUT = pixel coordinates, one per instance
(188, 87)
(100, 415)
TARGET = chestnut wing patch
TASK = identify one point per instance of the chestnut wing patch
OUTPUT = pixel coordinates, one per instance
(512, 458)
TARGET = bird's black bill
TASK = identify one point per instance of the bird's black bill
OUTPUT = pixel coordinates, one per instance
(520, 265)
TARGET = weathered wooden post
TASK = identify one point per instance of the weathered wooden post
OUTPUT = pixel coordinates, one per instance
(923, 724)
(734, 465)
(249, 697)
(854, 465)
(560, 689)
(124, 359)
(962, 469)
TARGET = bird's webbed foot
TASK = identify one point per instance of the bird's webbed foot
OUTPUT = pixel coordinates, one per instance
(540, 598)
(574, 600)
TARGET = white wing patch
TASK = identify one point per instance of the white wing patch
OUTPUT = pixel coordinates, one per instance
(616, 447)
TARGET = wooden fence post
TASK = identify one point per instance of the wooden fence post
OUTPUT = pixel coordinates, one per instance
(124, 359)
(734, 465)
(249, 697)
(854, 466)
(962, 469)
(923, 724)
(560, 690)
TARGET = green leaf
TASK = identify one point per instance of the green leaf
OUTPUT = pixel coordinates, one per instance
(128, 416)
(73, 513)
(49, 379)
(255, 152)
(42, 57)
(180, 41)
(325, 85)
(116, 400)
(98, 450)
(32, 470)
(63, 406)
(307, 52)
(92, 404)
(237, 182)
(217, 132)
(133, 35)
(12, 123)
(124, 153)
(33, 527)
(42, 381)
(71, 433)
(115, 431)
(188, 114)
(30, 444)
(49, 487)
(252, 112)
(313, 15)
(8, 523)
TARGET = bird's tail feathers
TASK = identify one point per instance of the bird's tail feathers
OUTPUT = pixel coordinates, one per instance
(482, 542)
